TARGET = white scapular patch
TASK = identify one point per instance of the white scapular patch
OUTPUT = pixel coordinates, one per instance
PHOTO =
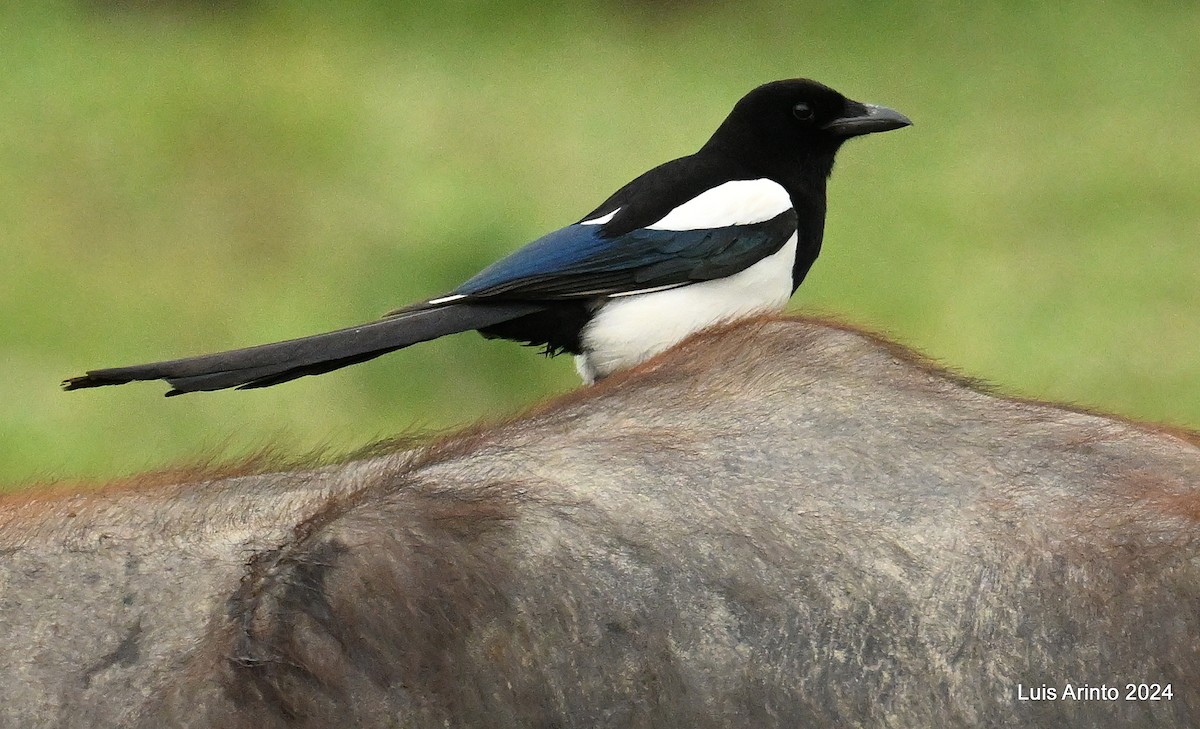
(652, 289)
(446, 299)
(600, 220)
(738, 202)
(627, 331)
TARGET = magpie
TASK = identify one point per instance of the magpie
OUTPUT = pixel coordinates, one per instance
(725, 232)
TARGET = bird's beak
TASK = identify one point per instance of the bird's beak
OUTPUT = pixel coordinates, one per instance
(867, 119)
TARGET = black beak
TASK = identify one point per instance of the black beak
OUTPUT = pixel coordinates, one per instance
(867, 119)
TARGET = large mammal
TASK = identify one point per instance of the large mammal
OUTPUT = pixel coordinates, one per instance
(783, 523)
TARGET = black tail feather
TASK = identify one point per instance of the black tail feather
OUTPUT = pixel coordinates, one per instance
(271, 364)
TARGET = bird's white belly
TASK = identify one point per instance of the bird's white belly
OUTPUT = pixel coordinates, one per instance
(627, 331)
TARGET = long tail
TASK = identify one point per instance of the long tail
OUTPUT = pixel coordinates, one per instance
(271, 364)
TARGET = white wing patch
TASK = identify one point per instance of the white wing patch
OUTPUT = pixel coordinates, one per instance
(446, 299)
(602, 219)
(651, 290)
(739, 202)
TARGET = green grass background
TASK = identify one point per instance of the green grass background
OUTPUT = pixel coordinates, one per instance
(180, 178)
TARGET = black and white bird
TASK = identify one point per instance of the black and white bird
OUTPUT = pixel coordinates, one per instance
(728, 231)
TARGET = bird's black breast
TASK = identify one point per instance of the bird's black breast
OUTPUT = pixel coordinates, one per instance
(810, 230)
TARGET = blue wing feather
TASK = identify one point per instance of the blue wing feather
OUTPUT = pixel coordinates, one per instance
(579, 261)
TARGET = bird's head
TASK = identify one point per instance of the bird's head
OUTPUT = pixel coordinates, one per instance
(797, 123)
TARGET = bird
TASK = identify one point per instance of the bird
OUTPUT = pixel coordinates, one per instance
(726, 232)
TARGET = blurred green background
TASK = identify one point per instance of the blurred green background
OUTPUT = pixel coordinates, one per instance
(181, 177)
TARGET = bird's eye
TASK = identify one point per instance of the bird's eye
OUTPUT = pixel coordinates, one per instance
(802, 111)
